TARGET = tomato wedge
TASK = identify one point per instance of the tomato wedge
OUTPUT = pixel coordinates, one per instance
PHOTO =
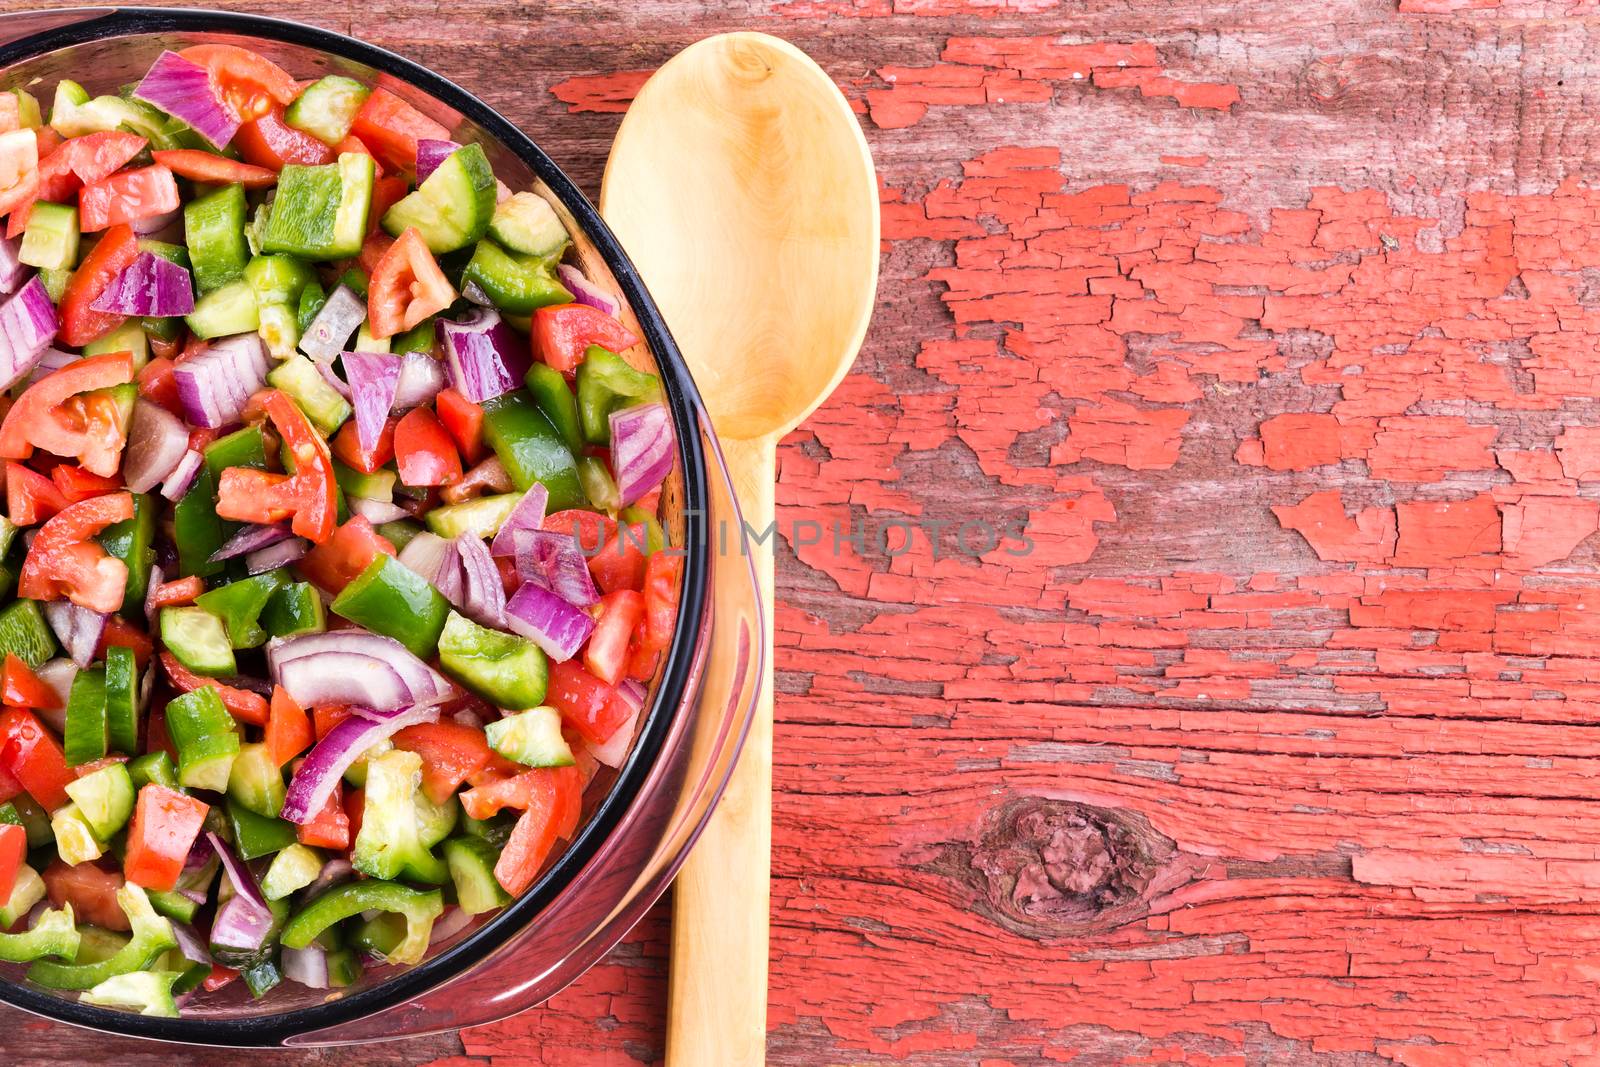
(33, 756)
(24, 689)
(616, 555)
(77, 484)
(310, 495)
(606, 654)
(451, 753)
(267, 141)
(288, 728)
(13, 848)
(122, 633)
(127, 196)
(30, 496)
(561, 334)
(588, 705)
(391, 128)
(335, 563)
(248, 82)
(55, 415)
(65, 560)
(406, 287)
(165, 824)
(80, 323)
(330, 827)
(91, 890)
(347, 447)
(199, 166)
(464, 420)
(423, 451)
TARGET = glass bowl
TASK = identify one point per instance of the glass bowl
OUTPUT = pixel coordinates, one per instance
(640, 820)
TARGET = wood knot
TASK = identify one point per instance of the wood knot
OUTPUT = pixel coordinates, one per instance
(1045, 868)
(1341, 83)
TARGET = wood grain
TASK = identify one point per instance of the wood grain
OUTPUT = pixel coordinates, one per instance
(1277, 323)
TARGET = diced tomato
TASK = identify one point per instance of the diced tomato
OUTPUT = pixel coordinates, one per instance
(548, 810)
(451, 753)
(127, 196)
(178, 592)
(70, 164)
(373, 250)
(593, 708)
(423, 450)
(406, 287)
(90, 889)
(13, 847)
(80, 323)
(616, 554)
(288, 728)
(219, 977)
(606, 654)
(77, 484)
(330, 827)
(570, 782)
(156, 738)
(494, 794)
(354, 804)
(159, 385)
(30, 496)
(562, 333)
(23, 689)
(33, 756)
(310, 495)
(335, 563)
(354, 144)
(391, 128)
(325, 717)
(270, 142)
(9, 786)
(55, 415)
(248, 82)
(242, 704)
(165, 824)
(19, 169)
(122, 633)
(464, 420)
(208, 167)
(347, 447)
(386, 193)
(65, 560)
(663, 575)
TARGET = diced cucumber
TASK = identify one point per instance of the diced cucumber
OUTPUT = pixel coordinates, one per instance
(481, 517)
(28, 114)
(471, 861)
(531, 738)
(170, 252)
(75, 840)
(129, 337)
(278, 279)
(280, 329)
(399, 533)
(327, 108)
(226, 310)
(122, 699)
(213, 227)
(321, 402)
(379, 485)
(206, 737)
(453, 207)
(153, 767)
(84, 739)
(198, 639)
(105, 798)
(51, 240)
(173, 904)
(525, 222)
(255, 781)
(294, 868)
(25, 634)
(365, 342)
(55, 283)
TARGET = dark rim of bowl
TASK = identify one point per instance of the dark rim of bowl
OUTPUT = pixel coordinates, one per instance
(683, 399)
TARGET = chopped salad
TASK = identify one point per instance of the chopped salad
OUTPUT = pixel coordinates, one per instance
(331, 569)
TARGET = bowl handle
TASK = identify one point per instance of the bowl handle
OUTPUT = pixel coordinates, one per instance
(632, 868)
(15, 25)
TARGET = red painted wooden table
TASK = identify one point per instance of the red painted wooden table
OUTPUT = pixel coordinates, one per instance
(1277, 326)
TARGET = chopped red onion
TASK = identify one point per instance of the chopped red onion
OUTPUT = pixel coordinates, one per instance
(335, 870)
(154, 224)
(377, 512)
(615, 749)
(27, 326)
(50, 361)
(308, 966)
(586, 292)
(431, 153)
(527, 515)
(58, 674)
(549, 621)
(472, 291)
(341, 746)
(189, 942)
(12, 269)
(249, 539)
(149, 286)
(556, 561)
(215, 384)
(272, 557)
(424, 554)
(373, 378)
(485, 357)
(483, 598)
(78, 628)
(421, 379)
(353, 667)
(151, 609)
(245, 921)
(157, 442)
(183, 475)
(452, 922)
(185, 91)
(335, 323)
(641, 449)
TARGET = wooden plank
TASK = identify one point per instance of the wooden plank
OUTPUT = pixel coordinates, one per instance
(1276, 325)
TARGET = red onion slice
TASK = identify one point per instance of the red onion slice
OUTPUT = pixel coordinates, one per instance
(486, 359)
(185, 91)
(335, 323)
(149, 286)
(157, 442)
(183, 475)
(548, 621)
(341, 746)
(78, 628)
(641, 449)
(249, 539)
(586, 292)
(527, 515)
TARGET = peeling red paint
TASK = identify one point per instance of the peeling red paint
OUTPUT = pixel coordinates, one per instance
(601, 92)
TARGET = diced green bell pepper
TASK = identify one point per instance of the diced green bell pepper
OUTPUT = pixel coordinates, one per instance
(553, 396)
(515, 283)
(145, 992)
(295, 608)
(531, 450)
(131, 541)
(239, 606)
(389, 598)
(257, 835)
(196, 528)
(389, 843)
(606, 383)
(312, 297)
(352, 898)
(52, 934)
(152, 935)
(506, 670)
(154, 767)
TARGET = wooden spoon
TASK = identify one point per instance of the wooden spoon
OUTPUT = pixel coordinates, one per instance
(743, 190)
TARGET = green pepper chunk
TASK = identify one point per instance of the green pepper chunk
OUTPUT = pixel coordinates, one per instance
(239, 606)
(295, 608)
(152, 935)
(390, 598)
(606, 383)
(131, 542)
(154, 767)
(196, 528)
(514, 282)
(242, 448)
(390, 843)
(554, 397)
(146, 992)
(417, 339)
(531, 450)
(52, 935)
(506, 670)
(256, 835)
(419, 908)
(311, 300)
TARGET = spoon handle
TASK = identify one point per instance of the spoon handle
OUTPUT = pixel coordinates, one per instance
(717, 1002)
